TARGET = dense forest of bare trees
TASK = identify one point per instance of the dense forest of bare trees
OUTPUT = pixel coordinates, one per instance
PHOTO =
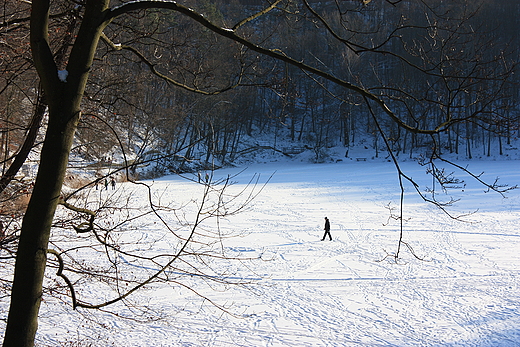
(188, 87)
(468, 79)
(460, 73)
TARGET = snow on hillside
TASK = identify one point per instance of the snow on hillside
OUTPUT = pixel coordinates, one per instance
(307, 292)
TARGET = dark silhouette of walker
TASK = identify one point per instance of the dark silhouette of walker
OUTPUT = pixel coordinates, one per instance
(327, 230)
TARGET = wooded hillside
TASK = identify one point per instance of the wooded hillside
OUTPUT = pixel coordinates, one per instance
(462, 69)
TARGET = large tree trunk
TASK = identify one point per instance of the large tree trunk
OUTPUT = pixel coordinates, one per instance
(64, 100)
(31, 257)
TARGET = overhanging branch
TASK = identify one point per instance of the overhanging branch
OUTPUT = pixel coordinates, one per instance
(153, 69)
(273, 53)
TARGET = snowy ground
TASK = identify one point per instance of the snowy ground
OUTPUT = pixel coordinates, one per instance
(307, 292)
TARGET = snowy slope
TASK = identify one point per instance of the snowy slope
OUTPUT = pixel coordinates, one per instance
(307, 292)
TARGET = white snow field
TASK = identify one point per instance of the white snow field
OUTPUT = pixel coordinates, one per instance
(306, 292)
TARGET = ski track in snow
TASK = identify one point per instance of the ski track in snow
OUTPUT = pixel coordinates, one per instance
(307, 292)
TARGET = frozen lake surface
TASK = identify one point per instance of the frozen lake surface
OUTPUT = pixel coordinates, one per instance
(300, 291)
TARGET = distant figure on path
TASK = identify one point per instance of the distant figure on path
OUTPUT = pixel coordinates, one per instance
(113, 183)
(327, 230)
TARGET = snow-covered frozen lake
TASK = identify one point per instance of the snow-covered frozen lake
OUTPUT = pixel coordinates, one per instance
(302, 291)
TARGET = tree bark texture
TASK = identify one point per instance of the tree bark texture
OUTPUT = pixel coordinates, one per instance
(64, 100)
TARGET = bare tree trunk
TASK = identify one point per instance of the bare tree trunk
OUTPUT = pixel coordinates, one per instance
(31, 257)
(27, 145)
(64, 98)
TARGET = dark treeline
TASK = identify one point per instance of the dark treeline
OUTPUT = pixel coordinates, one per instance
(462, 71)
(455, 66)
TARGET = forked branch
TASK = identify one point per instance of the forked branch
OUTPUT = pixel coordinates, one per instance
(83, 227)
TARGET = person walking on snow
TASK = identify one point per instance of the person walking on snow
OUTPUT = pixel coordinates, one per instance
(327, 230)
